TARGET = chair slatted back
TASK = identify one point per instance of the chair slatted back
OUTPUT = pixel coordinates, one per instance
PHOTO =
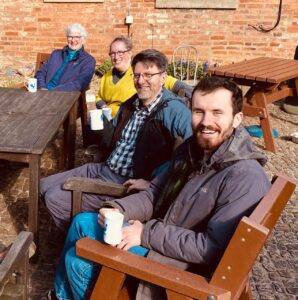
(233, 270)
(185, 63)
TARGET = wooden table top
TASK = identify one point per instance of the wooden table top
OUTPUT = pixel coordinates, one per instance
(28, 121)
(262, 69)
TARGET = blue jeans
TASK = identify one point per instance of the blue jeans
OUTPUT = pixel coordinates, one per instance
(76, 276)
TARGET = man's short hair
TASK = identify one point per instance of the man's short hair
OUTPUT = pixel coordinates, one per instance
(151, 56)
(209, 84)
(126, 41)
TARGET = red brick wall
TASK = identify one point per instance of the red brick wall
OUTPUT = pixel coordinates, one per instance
(31, 26)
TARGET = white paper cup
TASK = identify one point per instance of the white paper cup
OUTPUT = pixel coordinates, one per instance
(113, 227)
(31, 85)
(107, 111)
(96, 119)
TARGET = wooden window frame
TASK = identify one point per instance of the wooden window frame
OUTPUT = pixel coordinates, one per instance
(203, 4)
(75, 1)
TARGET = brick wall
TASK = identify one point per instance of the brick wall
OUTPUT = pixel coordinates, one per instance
(33, 26)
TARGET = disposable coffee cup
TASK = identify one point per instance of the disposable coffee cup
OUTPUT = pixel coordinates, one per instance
(113, 227)
(107, 111)
(31, 85)
(96, 119)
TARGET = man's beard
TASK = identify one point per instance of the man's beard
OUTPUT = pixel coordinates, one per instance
(213, 143)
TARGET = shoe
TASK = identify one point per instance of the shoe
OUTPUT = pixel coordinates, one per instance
(93, 150)
(51, 295)
(290, 109)
(290, 105)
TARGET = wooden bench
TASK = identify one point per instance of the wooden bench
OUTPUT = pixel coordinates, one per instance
(14, 268)
(231, 277)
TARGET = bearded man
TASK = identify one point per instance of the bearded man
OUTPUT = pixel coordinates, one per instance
(188, 214)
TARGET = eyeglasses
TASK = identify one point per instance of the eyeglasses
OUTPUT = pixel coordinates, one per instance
(119, 53)
(70, 37)
(146, 76)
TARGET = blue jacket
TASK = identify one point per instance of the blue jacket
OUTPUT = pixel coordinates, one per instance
(169, 122)
(76, 75)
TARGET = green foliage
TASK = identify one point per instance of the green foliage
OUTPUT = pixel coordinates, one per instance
(107, 65)
(103, 68)
(183, 65)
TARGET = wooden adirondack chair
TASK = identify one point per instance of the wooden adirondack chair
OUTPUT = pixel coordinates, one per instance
(82, 108)
(231, 277)
(14, 268)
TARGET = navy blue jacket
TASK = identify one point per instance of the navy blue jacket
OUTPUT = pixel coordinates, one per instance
(76, 75)
(169, 122)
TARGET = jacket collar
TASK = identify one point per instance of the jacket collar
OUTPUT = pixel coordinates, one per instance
(237, 147)
(78, 54)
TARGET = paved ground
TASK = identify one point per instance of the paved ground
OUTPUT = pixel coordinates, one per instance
(274, 275)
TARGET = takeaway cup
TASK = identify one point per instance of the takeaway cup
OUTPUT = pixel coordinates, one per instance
(107, 111)
(113, 227)
(31, 85)
(96, 119)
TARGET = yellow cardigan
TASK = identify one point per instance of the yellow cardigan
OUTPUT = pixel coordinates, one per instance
(115, 94)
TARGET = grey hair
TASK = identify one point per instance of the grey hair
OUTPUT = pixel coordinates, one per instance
(76, 27)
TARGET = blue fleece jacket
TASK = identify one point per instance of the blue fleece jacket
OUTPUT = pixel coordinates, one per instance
(76, 75)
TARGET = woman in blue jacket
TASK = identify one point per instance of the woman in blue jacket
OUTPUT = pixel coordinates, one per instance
(70, 68)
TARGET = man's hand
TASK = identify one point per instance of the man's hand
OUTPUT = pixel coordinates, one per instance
(136, 184)
(131, 235)
(101, 215)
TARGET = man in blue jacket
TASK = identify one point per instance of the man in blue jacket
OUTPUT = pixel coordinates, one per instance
(146, 129)
(70, 68)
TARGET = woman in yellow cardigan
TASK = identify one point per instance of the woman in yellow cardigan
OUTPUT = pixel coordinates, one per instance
(117, 85)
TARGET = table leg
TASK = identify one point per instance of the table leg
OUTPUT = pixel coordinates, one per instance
(67, 155)
(265, 122)
(70, 142)
(34, 177)
(64, 150)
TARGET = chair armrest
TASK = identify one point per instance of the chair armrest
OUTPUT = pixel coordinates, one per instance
(168, 277)
(94, 186)
(16, 253)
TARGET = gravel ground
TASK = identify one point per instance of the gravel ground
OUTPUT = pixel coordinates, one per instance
(274, 275)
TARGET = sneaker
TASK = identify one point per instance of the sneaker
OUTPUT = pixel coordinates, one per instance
(290, 105)
(93, 150)
(290, 109)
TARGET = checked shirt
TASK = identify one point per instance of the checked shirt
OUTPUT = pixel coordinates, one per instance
(120, 160)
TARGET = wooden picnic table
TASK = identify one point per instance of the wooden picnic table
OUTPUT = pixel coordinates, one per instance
(268, 80)
(28, 122)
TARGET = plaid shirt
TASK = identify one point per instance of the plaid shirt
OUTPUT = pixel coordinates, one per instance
(120, 160)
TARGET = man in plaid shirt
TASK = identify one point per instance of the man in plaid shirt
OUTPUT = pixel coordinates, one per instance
(144, 134)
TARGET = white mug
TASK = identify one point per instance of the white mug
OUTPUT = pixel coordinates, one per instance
(113, 227)
(96, 119)
(31, 85)
(107, 111)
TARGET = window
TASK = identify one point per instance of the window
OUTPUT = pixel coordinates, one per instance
(223, 4)
(82, 1)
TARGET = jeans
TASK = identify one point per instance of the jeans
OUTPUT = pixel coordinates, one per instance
(76, 276)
